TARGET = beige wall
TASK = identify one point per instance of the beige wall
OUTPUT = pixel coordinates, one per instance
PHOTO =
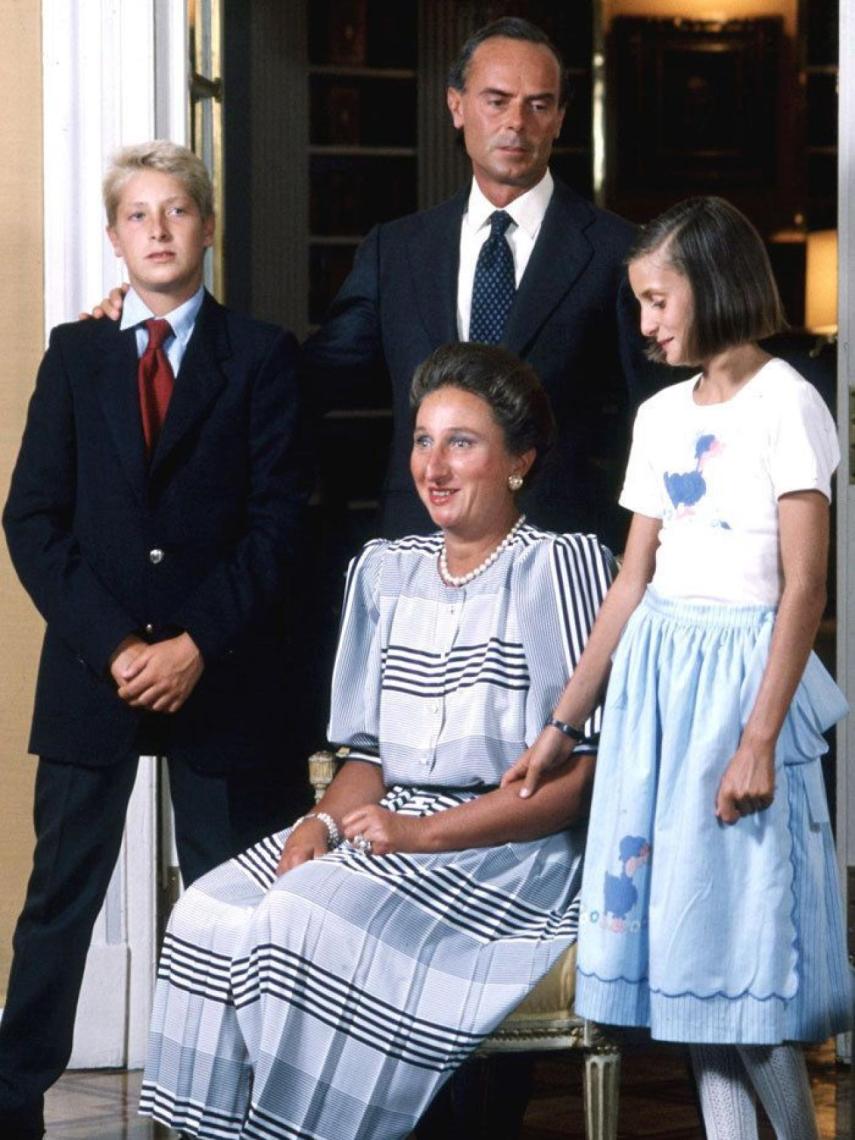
(704, 10)
(22, 335)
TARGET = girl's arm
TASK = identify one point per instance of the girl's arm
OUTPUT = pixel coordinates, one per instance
(357, 782)
(588, 682)
(748, 784)
(493, 818)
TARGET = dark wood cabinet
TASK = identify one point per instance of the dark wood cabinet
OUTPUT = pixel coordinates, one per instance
(700, 106)
(363, 131)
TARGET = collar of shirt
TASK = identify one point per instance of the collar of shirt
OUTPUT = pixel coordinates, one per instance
(182, 319)
(527, 213)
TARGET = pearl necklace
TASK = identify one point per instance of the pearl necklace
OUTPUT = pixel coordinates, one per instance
(463, 579)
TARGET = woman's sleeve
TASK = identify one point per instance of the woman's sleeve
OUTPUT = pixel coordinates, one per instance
(562, 583)
(355, 698)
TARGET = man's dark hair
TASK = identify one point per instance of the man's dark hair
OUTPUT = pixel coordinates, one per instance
(722, 256)
(509, 386)
(512, 28)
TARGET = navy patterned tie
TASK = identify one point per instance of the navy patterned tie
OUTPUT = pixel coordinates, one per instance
(494, 286)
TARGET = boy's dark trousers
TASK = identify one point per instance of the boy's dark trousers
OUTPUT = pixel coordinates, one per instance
(79, 819)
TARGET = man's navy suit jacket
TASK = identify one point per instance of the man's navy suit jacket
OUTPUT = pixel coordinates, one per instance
(573, 318)
(108, 543)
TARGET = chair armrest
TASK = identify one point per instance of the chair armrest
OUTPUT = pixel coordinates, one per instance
(323, 766)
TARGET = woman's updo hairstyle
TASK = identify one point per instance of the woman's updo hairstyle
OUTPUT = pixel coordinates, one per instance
(508, 385)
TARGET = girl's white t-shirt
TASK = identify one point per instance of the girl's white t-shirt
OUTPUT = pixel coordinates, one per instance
(713, 474)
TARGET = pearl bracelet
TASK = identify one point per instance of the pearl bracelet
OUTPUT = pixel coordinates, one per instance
(333, 833)
(567, 729)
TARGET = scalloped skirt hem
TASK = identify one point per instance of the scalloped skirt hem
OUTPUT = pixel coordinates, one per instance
(714, 1020)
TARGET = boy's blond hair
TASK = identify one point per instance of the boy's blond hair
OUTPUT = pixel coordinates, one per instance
(167, 158)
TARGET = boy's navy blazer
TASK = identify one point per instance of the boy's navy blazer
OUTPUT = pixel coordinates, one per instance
(574, 319)
(199, 538)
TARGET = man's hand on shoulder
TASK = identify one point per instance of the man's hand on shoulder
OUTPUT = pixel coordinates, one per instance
(110, 307)
(162, 676)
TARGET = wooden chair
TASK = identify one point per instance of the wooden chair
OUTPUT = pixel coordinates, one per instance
(545, 1020)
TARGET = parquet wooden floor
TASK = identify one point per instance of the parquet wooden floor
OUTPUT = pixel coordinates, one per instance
(657, 1102)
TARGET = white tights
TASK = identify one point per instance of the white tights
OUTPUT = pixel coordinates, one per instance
(729, 1075)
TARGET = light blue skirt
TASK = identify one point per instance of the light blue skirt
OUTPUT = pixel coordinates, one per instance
(704, 932)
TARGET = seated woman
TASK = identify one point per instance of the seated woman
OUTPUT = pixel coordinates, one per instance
(325, 983)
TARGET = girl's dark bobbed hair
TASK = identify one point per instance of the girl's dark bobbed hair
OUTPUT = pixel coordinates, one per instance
(723, 257)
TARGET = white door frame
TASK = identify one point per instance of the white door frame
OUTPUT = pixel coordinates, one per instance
(114, 73)
(845, 388)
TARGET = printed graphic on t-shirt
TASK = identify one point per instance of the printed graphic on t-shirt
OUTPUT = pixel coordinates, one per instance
(686, 488)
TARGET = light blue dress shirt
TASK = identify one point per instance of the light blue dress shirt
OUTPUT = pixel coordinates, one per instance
(182, 320)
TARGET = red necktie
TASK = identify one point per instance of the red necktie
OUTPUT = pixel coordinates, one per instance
(155, 380)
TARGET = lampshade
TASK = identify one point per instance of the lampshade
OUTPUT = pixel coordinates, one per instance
(821, 282)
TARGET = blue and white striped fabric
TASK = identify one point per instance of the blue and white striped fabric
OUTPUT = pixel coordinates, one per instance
(704, 932)
(332, 1002)
(452, 684)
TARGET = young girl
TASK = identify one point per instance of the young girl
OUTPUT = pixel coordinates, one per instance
(710, 902)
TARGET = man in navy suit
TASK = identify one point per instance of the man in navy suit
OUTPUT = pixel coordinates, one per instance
(572, 316)
(151, 517)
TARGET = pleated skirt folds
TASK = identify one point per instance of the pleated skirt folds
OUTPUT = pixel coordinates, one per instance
(333, 1001)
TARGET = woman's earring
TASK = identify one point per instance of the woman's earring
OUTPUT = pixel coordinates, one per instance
(515, 482)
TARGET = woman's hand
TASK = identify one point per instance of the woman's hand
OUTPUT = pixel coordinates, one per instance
(387, 831)
(748, 784)
(308, 841)
(548, 753)
(355, 784)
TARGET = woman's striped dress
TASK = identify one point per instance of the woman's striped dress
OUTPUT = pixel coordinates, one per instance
(333, 1001)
